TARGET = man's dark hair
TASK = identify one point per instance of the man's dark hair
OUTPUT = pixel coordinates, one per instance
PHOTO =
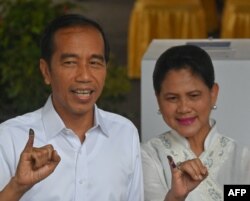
(64, 21)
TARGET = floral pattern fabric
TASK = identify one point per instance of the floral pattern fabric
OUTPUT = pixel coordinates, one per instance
(220, 156)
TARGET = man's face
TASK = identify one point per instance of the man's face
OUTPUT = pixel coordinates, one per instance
(77, 71)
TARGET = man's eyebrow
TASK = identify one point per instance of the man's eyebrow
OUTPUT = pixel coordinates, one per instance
(95, 56)
(98, 56)
(67, 55)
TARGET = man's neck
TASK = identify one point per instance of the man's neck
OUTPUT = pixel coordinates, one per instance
(79, 124)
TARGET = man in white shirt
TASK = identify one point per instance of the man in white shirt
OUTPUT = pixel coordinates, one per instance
(93, 154)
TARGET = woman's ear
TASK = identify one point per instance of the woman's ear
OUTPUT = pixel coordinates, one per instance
(159, 102)
(214, 93)
(44, 68)
(157, 97)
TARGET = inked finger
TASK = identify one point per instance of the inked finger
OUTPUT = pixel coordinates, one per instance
(29, 145)
(171, 162)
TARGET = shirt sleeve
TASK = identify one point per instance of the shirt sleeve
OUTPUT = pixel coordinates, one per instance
(135, 192)
(155, 188)
(7, 169)
(236, 169)
(245, 164)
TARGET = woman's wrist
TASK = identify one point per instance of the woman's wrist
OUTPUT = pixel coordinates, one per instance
(171, 197)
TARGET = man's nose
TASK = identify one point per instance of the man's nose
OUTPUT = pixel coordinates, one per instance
(83, 73)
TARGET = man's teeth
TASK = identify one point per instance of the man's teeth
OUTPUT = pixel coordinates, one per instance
(83, 92)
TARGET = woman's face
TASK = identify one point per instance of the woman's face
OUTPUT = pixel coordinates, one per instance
(186, 102)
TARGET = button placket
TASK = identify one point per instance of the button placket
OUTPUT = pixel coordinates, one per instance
(81, 173)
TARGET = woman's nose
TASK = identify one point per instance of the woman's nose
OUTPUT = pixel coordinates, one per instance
(183, 106)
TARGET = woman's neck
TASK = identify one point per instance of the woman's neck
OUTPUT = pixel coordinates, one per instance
(197, 142)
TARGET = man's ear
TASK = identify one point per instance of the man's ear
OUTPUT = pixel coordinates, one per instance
(44, 68)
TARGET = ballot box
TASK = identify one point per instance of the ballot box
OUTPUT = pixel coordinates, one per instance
(231, 59)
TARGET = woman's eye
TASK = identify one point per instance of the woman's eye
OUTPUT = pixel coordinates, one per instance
(194, 96)
(172, 98)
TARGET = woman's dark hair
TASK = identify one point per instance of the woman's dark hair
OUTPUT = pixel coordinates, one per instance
(64, 21)
(191, 57)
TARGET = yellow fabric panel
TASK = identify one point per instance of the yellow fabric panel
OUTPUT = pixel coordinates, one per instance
(161, 19)
(236, 19)
(211, 15)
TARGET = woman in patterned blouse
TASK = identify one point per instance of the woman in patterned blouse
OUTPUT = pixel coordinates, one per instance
(192, 161)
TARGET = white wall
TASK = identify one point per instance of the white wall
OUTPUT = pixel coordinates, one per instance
(232, 72)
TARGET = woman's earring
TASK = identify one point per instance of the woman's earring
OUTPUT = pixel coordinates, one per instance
(214, 107)
(159, 112)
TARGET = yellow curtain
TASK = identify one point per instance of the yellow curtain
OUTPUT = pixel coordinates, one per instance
(152, 19)
(236, 19)
(211, 15)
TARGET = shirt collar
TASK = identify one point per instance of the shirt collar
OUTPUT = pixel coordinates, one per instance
(99, 120)
(50, 115)
(52, 122)
(212, 135)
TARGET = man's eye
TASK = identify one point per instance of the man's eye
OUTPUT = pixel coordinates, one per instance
(96, 63)
(69, 63)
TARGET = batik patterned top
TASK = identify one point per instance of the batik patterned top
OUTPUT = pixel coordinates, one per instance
(227, 163)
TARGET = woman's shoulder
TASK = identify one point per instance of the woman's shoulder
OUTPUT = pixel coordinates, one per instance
(156, 140)
(226, 141)
(154, 144)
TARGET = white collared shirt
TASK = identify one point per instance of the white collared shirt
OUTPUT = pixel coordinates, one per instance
(106, 167)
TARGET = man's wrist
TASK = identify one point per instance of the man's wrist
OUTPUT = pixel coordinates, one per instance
(15, 190)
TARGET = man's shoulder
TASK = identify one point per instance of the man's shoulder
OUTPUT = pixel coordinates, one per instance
(114, 117)
(114, 121)
(22, 121)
